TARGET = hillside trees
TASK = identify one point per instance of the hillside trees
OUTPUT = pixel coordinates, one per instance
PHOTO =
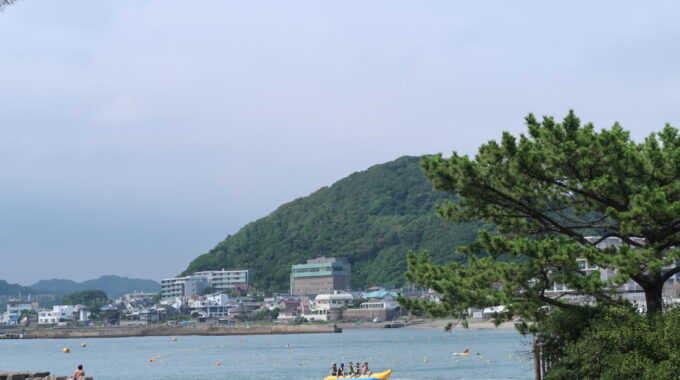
(546, 192)
(93, 298)
(371, 217)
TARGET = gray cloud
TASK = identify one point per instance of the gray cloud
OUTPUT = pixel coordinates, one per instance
(134, 135)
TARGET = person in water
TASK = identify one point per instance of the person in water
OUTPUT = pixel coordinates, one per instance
(79, 372)
(334, 370)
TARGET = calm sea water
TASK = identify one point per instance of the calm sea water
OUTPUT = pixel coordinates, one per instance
(411, 353)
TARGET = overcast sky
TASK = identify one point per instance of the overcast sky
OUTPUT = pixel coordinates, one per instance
(135, 135)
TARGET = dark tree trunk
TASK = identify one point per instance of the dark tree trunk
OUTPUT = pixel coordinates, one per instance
(653, 297)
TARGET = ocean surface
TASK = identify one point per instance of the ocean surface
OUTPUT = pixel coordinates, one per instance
(410, 353)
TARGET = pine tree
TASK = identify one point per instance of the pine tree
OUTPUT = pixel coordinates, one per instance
(546, 192)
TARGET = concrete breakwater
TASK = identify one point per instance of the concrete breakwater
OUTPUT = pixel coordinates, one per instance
(118, 332)
(36, 376)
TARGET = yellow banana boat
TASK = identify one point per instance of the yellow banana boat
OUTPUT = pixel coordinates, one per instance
(375, 376)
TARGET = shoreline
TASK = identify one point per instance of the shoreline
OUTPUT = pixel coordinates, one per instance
(473, 324)
(121, 332)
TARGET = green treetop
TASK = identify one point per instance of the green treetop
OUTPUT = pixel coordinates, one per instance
(546, 192)
(93, 298)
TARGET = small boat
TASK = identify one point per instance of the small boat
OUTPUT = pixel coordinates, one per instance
(461, 354)
(374, 376)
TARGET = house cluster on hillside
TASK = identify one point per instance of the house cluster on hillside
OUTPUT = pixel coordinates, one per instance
(320, 290)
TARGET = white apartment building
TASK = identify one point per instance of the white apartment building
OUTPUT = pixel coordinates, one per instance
(209, 308)
(195, 284)
(325, 304)
(65, 312)
(48, 317)
(220, 299)
(225, 279)
(183, 286)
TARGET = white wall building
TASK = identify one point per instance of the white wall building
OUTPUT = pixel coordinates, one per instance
(48, 317)
(183, 286)
(219, 280)
(220, 299)
(65, 312)
(324, 304)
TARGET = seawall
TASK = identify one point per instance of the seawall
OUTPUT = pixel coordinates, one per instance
(118, 332)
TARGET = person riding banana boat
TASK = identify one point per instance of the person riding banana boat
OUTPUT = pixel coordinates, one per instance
(356, 372)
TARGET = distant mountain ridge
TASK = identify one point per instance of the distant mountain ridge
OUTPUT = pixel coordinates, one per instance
(15, 290)
(113, 286)
(374, 218)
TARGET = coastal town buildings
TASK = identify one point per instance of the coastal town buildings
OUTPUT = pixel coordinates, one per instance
(322, 275)
(221, 280)
(183, 286)
(48, 317)
(328, 307)
(629, 290)
(14, 309)
(65, 312)
(379, 304)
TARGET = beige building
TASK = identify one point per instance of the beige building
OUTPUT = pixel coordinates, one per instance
(322, 275)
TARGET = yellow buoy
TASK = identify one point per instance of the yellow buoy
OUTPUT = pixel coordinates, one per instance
(174, 339)
(83, 345)
(66, 350)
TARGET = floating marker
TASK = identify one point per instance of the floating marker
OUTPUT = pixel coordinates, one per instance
(83, 345)
(174, 339)
(66, 350)
(218, 364)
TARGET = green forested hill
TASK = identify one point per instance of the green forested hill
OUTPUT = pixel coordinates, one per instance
(14, 290)
(374, 218)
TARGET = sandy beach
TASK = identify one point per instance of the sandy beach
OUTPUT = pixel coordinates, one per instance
(473, 324)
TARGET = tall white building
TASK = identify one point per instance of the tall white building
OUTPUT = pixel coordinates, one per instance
(195, 284)
(225, 279)
(183, 286)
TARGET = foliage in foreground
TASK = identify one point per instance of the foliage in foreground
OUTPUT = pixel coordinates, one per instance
(555, 194)
(617, 344)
